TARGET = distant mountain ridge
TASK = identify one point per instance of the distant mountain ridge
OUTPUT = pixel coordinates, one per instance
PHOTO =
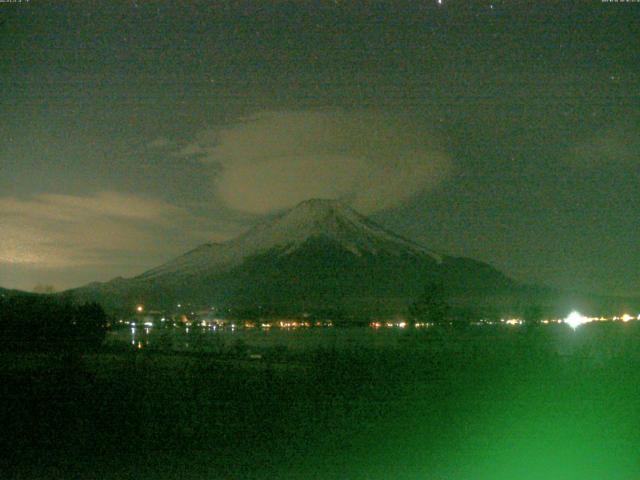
(319, 254)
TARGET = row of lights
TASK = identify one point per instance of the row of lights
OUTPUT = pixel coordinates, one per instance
(574, 320)
(287, 324)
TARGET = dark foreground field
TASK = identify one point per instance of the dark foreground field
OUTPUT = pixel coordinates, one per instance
(478, 404)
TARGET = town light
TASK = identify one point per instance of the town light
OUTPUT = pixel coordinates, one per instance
(574, 320)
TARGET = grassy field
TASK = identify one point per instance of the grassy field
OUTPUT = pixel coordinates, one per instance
(483, 403)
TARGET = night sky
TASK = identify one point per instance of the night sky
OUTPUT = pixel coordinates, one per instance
(133, 131)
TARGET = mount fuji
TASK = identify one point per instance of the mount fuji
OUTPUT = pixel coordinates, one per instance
(321, 254)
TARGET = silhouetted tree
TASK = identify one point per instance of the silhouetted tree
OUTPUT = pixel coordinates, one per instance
(90, 325)
(35, 322)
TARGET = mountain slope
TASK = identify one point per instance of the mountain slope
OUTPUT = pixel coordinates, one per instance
(320, 254)
(287, 233)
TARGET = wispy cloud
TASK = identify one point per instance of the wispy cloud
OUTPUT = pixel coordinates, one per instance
(274, 160)
(71, 208)
(55, 231)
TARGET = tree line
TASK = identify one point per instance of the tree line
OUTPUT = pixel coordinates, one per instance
(49, 323)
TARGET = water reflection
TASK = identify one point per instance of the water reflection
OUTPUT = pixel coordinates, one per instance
(215, 338)
(245, 340)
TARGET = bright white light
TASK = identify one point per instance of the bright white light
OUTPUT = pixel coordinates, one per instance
(626, 317)
(574, 320)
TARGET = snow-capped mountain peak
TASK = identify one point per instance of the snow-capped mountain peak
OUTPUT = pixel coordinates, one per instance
(315, 218)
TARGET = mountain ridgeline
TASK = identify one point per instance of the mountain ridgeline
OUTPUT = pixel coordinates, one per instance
(319, 256)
